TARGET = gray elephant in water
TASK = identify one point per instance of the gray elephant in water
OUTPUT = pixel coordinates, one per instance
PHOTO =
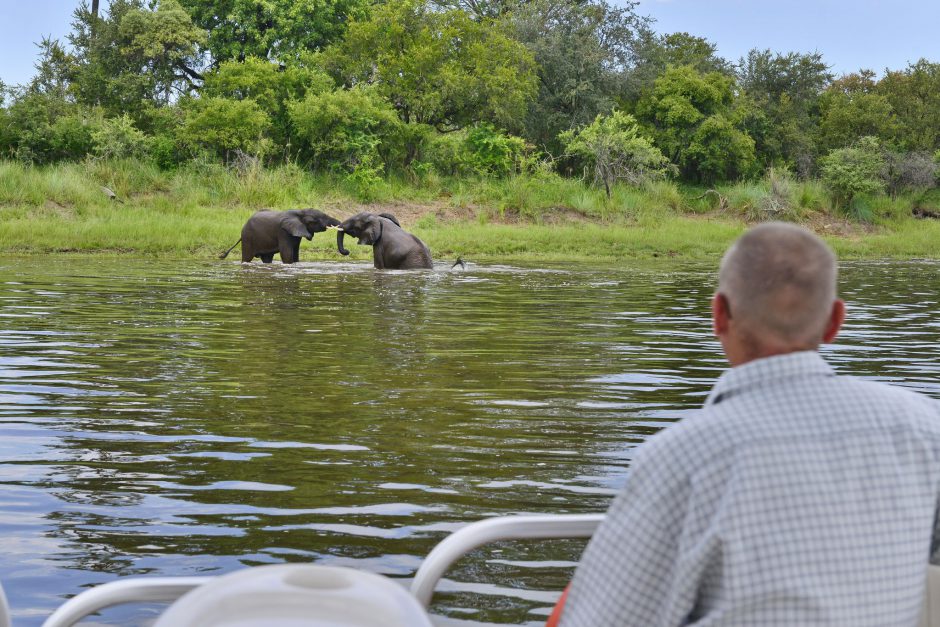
(271, 232)
(393, 248)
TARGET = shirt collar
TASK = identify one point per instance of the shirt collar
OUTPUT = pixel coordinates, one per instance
(768, 370)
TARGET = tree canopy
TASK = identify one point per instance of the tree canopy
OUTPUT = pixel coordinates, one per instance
(440, 68)
(488, 87)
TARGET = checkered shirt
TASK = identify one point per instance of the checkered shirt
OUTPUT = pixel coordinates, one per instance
(794, 497)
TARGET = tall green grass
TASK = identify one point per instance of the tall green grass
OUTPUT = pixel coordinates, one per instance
(197, 211)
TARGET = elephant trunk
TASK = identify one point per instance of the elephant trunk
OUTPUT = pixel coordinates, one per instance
(339, 241)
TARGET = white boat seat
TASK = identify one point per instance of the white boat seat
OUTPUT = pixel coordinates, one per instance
(297, 595)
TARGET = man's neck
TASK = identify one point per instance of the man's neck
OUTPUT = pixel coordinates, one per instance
(746, 352)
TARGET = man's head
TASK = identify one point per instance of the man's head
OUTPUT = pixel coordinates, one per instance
(776, 294)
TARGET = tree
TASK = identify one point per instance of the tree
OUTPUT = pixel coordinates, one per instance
(224, 126)
(720, 152)
(914, 96)
(584, 51)
(482, 9)
(135, 56)
(851, 108)
(43, 123)
(696, 121)
(272, 29)
(785, 89)
(437, 68)
(616, 151)
(270, 85)
(653, 54)
(54, 70)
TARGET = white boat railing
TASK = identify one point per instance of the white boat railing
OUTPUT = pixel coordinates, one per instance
(474, 535)
(448, 551)
(129, 590)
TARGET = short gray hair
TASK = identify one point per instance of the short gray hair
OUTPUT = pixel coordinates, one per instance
(780, 281)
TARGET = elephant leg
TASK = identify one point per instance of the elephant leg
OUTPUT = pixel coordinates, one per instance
(267, 257)
(287, 247)
(247, 254)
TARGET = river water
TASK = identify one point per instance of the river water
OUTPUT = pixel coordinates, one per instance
(170, 418)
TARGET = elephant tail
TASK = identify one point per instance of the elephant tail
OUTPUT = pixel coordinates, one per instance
(460, 262)
(225, 254)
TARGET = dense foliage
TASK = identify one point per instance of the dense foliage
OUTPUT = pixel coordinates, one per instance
(463, 87)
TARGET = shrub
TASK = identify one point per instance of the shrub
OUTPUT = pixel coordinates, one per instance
(72, 136)
(490, 151)
(614, 149)
(446, 152)
(912, 171)
(118, 138)
(43, 128)
(165, 151)
(854, 171)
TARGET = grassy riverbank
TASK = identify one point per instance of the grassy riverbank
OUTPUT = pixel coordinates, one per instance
(197, 211)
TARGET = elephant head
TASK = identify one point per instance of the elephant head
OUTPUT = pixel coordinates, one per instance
(393, 248)
(306, 222)
(366, 226)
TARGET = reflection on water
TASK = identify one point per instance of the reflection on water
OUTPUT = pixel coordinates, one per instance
(189, 419)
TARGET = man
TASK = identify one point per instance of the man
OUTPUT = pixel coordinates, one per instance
(795, 496)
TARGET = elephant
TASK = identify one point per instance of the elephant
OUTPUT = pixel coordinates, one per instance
(269, 232)
(393, 248)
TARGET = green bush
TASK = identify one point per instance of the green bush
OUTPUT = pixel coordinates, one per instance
(481, 149)
(614, 149)
(445, 152)
(44, 128)
(165, 151)
(71, 136)
(118, 138)
(854, 171)
(348, 129)
(490, 151)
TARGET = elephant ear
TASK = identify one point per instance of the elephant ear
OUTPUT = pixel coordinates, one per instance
(389, 216)
(295, 227)
(372, 233)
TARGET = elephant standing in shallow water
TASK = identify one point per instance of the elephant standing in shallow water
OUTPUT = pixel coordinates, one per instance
(278, 232)
(393, 248)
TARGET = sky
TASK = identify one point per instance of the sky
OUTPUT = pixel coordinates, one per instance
(850, 34)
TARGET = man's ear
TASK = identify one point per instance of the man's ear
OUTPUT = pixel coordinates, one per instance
(721, 314)
(836, 318)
